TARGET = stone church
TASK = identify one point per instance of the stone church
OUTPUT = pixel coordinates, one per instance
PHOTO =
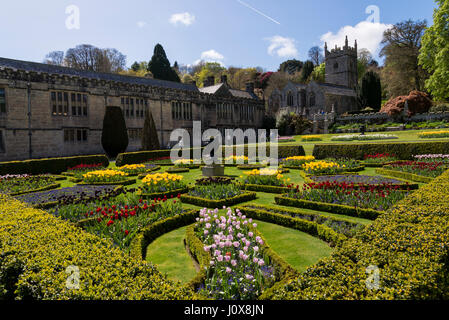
(52, 111)
(336, 95)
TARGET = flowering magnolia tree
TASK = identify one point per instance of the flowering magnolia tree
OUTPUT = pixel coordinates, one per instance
(238, 269)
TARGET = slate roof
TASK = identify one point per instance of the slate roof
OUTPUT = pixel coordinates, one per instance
(51, 69)
(234, 92)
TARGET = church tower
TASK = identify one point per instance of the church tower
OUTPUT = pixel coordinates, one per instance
(341, 65)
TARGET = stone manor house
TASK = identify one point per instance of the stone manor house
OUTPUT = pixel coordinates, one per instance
(51, 111)
(336, 96)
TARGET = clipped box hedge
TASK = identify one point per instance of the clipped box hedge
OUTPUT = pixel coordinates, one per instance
(409, 245)
(328, 207)
(404, 175)
(403, 150)
(265, 188)
(37, 248)
(145, 156)
(50, 165)
(207, 203)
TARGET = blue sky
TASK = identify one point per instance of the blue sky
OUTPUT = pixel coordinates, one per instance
(234, 32)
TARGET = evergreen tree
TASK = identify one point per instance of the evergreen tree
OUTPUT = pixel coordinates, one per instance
(150, 140)
(135, 66)
(114, 137)
(160, 66)
(371, 91)
(307, 70)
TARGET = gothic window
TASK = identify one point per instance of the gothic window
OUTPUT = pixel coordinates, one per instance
(336, 65)
(290, 99)
(303, 98)
(182, 110)
(2, 101)
(312, 101)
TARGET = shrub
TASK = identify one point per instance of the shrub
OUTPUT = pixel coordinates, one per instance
(37, 249)
(114, 136)
(403, 151)
(150, 140)
(50, 165)
(352, 137)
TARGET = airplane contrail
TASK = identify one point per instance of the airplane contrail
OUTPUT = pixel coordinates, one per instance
(261, 13)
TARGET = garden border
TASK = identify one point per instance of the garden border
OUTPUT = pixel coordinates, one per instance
(202, 202)
(404, 175)
(162, 194)
(329, 207)
(49, 187)
(117, 183)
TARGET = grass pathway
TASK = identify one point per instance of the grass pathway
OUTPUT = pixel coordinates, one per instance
(170, 256)
(297, 248)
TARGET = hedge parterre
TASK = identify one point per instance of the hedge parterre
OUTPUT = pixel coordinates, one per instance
(37, 249)
(408, 247)
(429, 169)
(17, 184)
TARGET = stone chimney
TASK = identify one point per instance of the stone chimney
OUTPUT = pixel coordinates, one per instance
(250, 87)
(224, 79)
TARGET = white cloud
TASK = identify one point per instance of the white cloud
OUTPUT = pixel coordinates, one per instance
(141, 24)
(283, 47)
(211, 55)
(184, 18)
(368, 35)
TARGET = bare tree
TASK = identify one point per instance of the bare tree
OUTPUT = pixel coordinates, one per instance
(88, 57)
(316, 55)
(55, 58)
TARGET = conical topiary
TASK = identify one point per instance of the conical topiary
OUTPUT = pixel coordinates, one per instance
(150, 140)
(114, 137)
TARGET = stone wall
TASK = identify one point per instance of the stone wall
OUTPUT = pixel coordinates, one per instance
(47, 130)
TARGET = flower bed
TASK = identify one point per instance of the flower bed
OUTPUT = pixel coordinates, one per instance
(70, 195)
(296, 162)
(133, 169)
(121, 222)
(159, 183)
(106, 177)
(355, 137)
(37, 249)
(215, 191)
(213, 180)
(238, 270)
(235, 160)
(358, 181)
(332, 166)
(311, 138)
(266, 189)
(434, 134)
(80, 170)
(377, 198)
(431, 169)
(378, 159)
(433, 157)
(267, 177)
(22, 184)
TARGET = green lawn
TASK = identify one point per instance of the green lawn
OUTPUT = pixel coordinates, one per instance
(297, 248)
(170, 256)
(404, 136)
